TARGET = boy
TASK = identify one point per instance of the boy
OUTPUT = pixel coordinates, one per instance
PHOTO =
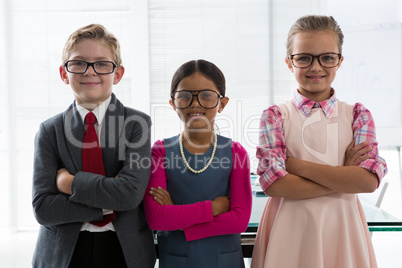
(87, 194)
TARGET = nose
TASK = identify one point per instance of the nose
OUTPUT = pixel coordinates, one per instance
(90, 70)
(315, 64)
(195, 102)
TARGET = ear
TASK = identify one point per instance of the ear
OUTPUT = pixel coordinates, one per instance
(223, 102)
(340, 62)
(289, 63)
(63, 75)
(171, 104)
(118, 74)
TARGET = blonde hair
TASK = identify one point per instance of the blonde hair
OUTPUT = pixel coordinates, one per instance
(96, 32)
(312, 23)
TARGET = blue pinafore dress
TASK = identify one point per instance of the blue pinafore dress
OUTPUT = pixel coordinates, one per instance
(185, 187)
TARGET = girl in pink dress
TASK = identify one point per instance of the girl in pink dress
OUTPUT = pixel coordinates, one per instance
(315, 154)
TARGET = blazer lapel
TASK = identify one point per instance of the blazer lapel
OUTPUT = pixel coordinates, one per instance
(74, 133)
(112, 129)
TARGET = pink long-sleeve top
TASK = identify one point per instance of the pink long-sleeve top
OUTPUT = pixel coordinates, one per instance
(197, 220)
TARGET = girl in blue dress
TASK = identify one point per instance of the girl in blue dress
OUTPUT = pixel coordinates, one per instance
(199, 192)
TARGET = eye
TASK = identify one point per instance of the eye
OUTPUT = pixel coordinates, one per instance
(77, 63)
(302, 58)
(102, 64)
(206, 95)
(327, 57)
(183, 95)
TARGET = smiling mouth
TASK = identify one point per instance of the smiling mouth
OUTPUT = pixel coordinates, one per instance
(196, 114)
(316, 77)
(90, 84)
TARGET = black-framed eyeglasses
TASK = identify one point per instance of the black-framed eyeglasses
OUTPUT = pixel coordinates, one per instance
(207, 98)
(80, 66)
(304, 60)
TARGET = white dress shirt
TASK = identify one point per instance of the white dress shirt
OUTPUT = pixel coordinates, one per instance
(99, 112)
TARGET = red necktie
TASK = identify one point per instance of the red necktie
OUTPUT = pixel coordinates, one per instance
(92, 160)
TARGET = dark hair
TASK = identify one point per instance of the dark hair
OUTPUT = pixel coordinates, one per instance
(204, 67)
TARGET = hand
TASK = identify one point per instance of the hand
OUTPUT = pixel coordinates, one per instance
(161, 196)
(220, 205)
(355, 154)
(64, 180)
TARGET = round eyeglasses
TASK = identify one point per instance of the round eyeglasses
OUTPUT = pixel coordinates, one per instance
(327, 60)
(80, 66)
(207, 98)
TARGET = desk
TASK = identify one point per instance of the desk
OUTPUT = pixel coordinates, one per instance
(377, 219)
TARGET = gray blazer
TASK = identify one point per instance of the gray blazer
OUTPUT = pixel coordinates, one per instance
(125, 139)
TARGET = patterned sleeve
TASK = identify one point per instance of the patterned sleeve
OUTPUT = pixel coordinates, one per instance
(364, 130)
(271, 151)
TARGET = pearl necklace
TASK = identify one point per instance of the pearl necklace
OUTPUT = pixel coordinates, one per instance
(209, 161)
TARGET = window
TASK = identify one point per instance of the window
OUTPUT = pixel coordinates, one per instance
(31, 90)
(244, 38)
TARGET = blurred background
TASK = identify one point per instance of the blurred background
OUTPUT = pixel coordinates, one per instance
(244, 38)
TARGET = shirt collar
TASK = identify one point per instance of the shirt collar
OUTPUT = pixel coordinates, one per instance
(305, 105)
(99, 111)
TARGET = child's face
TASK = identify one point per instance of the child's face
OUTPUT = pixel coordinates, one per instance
(315, 81)
(91, 89)
(195, 116)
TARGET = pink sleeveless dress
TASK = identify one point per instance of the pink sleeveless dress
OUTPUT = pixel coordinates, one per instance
(327, 231)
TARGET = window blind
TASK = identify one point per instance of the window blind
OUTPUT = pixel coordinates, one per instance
(245, 39)
(31, 90)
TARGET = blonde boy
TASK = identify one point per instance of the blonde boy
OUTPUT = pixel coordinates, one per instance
(72, 205)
